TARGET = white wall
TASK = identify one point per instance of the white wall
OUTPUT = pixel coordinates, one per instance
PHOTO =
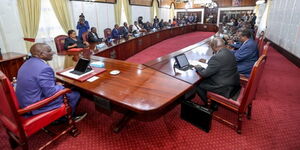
(140, 11)
(164, 13)
(99, 15)
(283, 25)
(11, 34)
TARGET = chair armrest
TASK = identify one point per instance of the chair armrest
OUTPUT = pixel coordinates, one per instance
(243, 79)
(43, 102)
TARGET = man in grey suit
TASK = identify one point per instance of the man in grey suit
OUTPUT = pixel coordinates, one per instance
(221, 75)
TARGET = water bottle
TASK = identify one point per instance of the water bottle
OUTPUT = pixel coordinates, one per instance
(14, 83)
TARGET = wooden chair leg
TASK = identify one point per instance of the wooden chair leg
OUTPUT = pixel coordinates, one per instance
(25, 146)
(74, 131)
(249, 111)
(239, 123)
(13, 143)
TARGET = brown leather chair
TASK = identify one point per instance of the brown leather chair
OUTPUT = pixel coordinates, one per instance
(245, 97)
(107, 32)
(18, 127)
(85, 36)
(60, 42)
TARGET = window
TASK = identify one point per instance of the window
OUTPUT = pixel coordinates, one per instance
(49, 26)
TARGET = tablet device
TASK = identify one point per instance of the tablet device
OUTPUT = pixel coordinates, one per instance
(82, 67)
(182, 62)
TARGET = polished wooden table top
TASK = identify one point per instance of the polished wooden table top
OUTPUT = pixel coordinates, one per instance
(193, 53)
(137, 88)
(11, 55)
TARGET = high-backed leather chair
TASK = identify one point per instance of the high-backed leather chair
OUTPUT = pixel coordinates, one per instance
(85, 36)
(107, 32)
(245, 97)
(59, 43)
(18, 127)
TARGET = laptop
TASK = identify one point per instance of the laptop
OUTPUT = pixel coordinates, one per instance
(82, 67)
(182, 62)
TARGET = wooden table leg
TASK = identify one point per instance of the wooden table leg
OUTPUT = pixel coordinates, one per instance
(122, 122)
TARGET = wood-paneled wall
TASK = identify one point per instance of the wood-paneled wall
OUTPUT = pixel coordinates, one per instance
(164, 3)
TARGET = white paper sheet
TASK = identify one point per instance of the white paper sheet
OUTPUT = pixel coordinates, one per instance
(74, 76)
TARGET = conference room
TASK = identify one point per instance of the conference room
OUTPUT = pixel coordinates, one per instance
(149, 74)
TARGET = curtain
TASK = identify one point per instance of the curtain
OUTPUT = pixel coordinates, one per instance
(61, 10)
(29, 12)
(154, 10)
(263, 22)
(118, 11)
(128, 12)
(172, 13)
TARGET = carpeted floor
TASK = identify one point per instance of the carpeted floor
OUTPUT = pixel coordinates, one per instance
(170, 45)
(275, 122)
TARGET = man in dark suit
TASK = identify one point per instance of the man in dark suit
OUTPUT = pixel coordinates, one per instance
(93, 36)
(221, 74)
(36, 81)
(116, 34)
(247, 54)
(125, 30)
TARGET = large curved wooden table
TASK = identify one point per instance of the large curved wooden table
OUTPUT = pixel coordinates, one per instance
(140, 90)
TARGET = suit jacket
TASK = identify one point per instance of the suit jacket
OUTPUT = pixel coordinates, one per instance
(115, 33)
(246, 56)
(93, 37)
(36, 84)
(221, 73)
(69, 41)
(125, 31)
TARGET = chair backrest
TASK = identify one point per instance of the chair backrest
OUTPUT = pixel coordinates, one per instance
(253, 82)
(121, 29)
(266, 48)
(107, 32)
(85, 36)
(9, 106)
(260, 45)
(60, 42)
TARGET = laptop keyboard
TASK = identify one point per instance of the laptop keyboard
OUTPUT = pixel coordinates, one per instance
(79, 72)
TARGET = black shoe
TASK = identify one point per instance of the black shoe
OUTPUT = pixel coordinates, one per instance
(79, 117)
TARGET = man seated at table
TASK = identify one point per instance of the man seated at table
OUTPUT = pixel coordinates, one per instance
(116, 34)
(93, 36)
(125, 30)
(136, 29)
(148, 26)
(36, 81)
(221, 75)
(73, 41)
(247, 54)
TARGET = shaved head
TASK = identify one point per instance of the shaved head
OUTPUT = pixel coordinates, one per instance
(217, 43)
(41, 50)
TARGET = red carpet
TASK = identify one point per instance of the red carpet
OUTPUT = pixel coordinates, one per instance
(275, 123)
(168, 46)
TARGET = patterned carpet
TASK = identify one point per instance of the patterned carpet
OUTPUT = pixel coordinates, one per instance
(275, 122)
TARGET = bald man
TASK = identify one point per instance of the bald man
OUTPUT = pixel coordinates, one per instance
(36, 81)
(221, 75)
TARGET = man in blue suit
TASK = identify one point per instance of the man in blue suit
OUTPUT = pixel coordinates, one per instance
(36, 81)
(116, 34)
(247, 54)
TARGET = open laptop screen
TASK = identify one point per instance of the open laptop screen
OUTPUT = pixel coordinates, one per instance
(181, 60)
(82, 65)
